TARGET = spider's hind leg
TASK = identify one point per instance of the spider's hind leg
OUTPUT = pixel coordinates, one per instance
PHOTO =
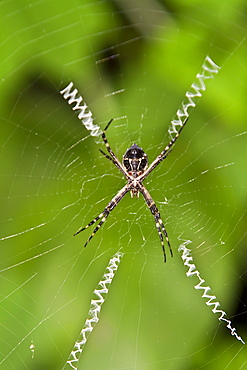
(103, 216)
(161, 238)
(160, 226)
(158, 221)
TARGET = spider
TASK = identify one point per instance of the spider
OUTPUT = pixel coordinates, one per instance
(135, 168)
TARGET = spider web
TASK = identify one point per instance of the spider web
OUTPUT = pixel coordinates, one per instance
(134, 62)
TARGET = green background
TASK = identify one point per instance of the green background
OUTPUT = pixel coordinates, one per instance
(153, 318)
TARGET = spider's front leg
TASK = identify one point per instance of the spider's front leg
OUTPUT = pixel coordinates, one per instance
(164, 152)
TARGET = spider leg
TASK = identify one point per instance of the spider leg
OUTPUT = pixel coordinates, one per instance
(112, 156)
(161, 236)
(164, 152)
(158, 221)
(159, 225)
(114, 162)
(167, 150)
(107, 144)
(90, 223)
(106, 155)
(103, 215)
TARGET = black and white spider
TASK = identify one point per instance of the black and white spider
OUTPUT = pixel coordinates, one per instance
(135, 168)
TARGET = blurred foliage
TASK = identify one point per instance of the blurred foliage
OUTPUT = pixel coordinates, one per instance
(152, 50)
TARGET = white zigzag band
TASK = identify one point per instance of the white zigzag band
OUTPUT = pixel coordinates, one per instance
(85, 115)
(94, 310)
(188, 261)
(209, 69)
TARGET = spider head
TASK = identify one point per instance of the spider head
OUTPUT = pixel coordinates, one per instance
(135, 160)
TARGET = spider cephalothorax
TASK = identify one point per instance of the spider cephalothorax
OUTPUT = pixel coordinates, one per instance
(135, 160)
(135, 168)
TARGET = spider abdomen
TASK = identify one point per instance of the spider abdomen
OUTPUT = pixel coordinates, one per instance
(135, 160)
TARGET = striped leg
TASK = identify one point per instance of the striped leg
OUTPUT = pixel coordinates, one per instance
(163, 154)
(158, 221)
(103, 215)
(114, 162)
(112, 156)
(160, 225)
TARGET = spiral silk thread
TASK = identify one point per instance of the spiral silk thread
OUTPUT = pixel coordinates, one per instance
(85, 115)
(211, 299)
